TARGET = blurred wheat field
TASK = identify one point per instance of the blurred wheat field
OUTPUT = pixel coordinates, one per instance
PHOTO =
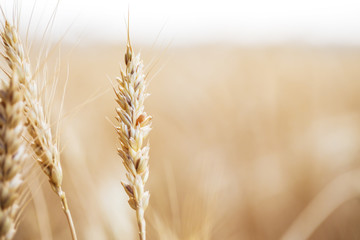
(243, 139)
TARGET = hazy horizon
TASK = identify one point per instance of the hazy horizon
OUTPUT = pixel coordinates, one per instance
(185, 22)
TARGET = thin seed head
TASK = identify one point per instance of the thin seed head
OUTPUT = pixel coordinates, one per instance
(133, 129)
(38, 126)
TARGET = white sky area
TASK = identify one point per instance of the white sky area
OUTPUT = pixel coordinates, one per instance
(185, 22)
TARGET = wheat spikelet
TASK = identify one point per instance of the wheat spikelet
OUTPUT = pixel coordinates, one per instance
(12, 154)
(134, 127)
(38, 125)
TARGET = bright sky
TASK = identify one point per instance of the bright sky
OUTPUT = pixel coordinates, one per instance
(191, 21)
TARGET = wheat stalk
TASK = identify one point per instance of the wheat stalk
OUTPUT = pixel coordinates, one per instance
(38, 125)
(12, 154)
(134, 127)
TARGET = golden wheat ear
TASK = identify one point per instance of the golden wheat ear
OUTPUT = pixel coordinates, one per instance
(12, 154)
(46, 151)
(133, 129)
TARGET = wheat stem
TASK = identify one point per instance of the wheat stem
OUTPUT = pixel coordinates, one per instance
(68, 214)
(141, 223)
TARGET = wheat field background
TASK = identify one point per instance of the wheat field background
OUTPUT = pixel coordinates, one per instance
(243, 140)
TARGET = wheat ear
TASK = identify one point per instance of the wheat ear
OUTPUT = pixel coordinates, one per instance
(134, 127)
(38, 125)
(12, 154)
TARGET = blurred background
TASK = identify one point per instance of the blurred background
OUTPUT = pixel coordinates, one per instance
(256, 117)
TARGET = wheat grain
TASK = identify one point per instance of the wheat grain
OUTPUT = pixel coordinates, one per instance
(37, 123)
(12, 154)
(134, 127)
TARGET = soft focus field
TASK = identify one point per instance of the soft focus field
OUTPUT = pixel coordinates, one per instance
(243, 139)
